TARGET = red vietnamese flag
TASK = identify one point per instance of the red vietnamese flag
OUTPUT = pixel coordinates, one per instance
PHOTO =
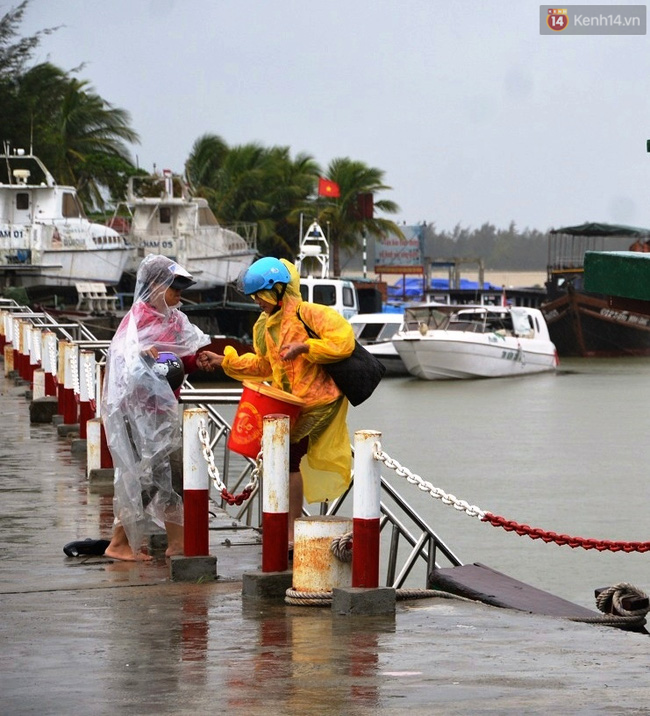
(328, 188)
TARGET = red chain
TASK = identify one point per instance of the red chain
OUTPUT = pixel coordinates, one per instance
(535, 533)
(236, 499)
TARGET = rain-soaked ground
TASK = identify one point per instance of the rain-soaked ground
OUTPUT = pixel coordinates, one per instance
(92, 636)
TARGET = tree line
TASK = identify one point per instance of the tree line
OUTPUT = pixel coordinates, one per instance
(84, 141)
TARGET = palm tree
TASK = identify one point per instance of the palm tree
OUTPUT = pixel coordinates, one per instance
(345, 220)
(253, 184)
(91, 131)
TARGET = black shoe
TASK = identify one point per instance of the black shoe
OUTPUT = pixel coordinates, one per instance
(89, 546)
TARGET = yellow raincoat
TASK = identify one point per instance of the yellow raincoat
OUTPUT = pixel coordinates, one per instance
(326, 468)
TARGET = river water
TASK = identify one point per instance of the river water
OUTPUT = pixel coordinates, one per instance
(564, 452)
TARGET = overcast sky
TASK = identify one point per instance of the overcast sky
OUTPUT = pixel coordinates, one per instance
(472, 114)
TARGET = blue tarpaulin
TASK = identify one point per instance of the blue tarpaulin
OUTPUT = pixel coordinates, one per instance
(411, 287)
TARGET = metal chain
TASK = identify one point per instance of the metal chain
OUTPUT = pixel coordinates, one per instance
(208, 455)
(435, 492)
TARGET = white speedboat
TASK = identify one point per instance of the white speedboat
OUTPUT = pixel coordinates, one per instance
(375, 332)
(183, 227)
(451, 342)
(46, 240)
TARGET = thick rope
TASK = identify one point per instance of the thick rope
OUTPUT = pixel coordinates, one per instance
(324, 599)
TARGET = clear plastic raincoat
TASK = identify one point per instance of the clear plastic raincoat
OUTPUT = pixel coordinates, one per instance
(326, 468)
(139, 409)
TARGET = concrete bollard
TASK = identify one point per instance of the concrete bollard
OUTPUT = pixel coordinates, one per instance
(86, 390)
(38, 384)
(8, 359)
(16, 332)
(365, 596)
(275, 493)
(269, 584)
(315, 568)
(366, 511)
(70, 376)
(49, 361)
(196, 563)
(60, 375)
(99, 464)
(33, 352)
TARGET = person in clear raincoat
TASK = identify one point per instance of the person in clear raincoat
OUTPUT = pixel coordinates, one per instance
(140, 410)
(320, 455)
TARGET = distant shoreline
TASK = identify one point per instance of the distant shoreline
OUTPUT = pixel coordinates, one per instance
(509, 279)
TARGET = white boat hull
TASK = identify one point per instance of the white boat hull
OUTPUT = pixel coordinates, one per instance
(184, 229)
(474, 342)
(46, 240)
(443, 356)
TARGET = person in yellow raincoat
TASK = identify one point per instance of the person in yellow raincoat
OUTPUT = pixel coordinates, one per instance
(320, 455)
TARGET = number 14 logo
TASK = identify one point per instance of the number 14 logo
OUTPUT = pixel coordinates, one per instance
(557, 19)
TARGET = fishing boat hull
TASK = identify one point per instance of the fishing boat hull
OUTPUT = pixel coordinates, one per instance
(584, 325)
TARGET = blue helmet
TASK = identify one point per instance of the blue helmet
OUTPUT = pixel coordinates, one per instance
(264, 274)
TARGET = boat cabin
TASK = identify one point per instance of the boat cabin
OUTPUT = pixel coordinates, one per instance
(515, 321)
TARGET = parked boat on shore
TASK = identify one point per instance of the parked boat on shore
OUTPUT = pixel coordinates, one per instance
(584, 324)
(164, 218)
(443, 342)
(46, 240)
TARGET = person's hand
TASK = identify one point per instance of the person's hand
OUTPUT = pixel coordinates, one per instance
(293, 350)
(209, 361)
(151, 352)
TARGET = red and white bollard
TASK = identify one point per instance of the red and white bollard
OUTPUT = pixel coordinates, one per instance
(105, 453)
(70, 381)
(366, 511)
(49, 361)
(16, 333)
(35, 356)
(275, 494)
(86, 390)
(196, 486)
(26, 341)
(60, 375)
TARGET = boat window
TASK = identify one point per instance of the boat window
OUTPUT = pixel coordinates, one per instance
(304, 292)
(71, 208)
(388, 331)
(325, 295)
(22, 200)
(370, 331)
(348, 296)
(165, 215)
(206, 217)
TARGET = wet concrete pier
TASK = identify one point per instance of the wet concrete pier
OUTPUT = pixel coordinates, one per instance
(93, 636)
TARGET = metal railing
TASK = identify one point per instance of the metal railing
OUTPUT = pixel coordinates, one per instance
(411, 547)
